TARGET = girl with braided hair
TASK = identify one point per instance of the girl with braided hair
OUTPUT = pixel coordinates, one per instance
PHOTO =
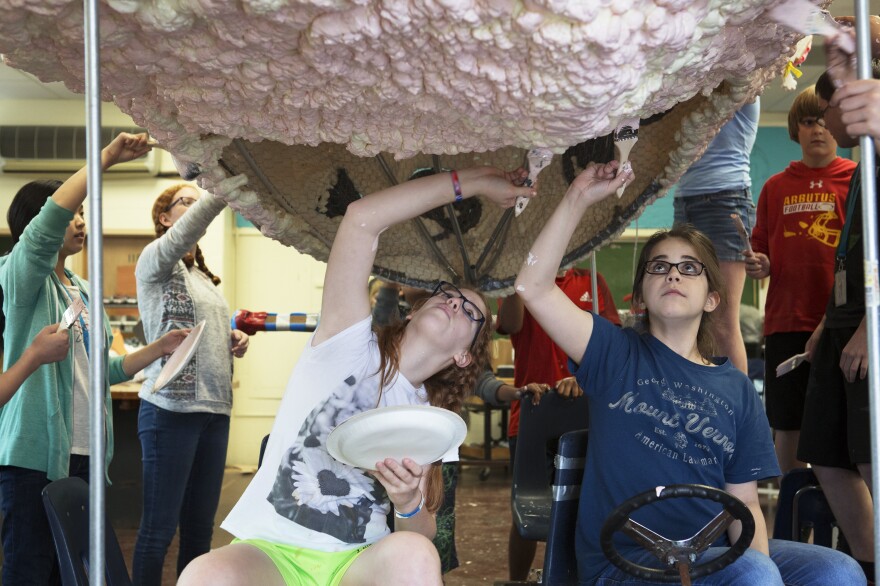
(183, 426)
(309, 519)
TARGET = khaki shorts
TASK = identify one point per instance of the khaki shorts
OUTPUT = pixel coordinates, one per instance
(306, 567)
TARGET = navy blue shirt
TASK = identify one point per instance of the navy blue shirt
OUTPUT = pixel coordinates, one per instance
(658, 419)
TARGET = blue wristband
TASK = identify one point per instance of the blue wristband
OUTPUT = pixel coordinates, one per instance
(413, 513)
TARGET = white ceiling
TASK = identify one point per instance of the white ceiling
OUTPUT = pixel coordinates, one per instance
(18, 85)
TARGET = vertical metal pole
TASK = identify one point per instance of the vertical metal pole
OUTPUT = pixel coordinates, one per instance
(869, 242)
(594, 283)
(96, 307)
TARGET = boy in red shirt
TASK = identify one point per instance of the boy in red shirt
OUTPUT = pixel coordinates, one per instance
(799, 219)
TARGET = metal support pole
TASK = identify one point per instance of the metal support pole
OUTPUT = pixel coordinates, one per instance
(96, 307)
(594, 283)
(869, 242)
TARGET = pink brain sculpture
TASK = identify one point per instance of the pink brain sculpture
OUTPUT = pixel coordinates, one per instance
(222, 84)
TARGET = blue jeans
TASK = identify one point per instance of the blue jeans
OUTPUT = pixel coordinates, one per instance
(183, 458)
(790, 563)
(710, 214)
(28, 550)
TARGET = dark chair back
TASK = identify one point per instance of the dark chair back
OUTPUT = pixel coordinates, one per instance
(67, 507)
(560, 564)
(811, 511)
(790, 483)
(531, 494)
(802, 505)
(262, 450)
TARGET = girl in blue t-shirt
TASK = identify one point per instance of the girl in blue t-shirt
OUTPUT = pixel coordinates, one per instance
(662, 409)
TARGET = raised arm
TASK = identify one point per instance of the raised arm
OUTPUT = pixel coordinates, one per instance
(563, 321)
(345, 299)
(125, 147)
(159, 258)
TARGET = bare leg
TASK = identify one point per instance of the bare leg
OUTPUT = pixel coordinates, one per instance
(728, 336)
(402, 558)
(786, 450)
(236, 564)
(851, 504)
(865, 472)
(520, 555)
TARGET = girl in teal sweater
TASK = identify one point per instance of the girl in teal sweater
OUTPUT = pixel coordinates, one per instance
(44, 431)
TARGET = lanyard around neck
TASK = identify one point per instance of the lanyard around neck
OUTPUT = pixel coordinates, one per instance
(82, 322)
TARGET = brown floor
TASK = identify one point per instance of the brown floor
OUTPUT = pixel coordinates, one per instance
(482, 525)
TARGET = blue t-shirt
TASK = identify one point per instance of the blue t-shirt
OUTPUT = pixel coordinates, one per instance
(725, 164)
(657, 419)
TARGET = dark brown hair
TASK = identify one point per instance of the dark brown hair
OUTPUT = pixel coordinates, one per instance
(160, 206)
(805, 105)
(705, 253)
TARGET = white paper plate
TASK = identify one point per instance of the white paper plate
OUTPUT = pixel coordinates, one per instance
(180, 357)
(419, 432)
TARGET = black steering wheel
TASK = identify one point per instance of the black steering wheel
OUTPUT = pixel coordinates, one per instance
(679, 556)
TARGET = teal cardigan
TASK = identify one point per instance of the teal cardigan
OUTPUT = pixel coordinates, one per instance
(35, 425)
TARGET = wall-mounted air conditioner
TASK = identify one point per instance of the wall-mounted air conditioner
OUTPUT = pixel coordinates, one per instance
(57, 149)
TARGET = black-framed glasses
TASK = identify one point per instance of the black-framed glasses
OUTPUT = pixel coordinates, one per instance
(469, 308)
(685, 268)
(811, 122)
(186, 201)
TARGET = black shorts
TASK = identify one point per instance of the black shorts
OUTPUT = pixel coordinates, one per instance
(836, 429)
(784, 396)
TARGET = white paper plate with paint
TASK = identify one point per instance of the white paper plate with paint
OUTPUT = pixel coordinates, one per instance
(419, 432)
(180, 357)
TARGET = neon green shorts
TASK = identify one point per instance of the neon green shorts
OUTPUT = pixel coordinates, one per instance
(306, 567)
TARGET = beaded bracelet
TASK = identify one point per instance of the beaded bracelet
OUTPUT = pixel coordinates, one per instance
(456, 186)
(415, 512)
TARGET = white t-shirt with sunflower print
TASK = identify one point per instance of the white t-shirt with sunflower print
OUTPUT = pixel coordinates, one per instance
(301, 495)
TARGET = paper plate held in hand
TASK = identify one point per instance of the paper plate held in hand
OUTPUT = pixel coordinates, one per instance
(180, 357)
(790, 364)
(419, 432)
(72, 312)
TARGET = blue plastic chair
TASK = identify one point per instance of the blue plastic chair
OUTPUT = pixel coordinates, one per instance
(560, 563)
(811, 511)
(67, 506)
(802, 505)
(262, 450)
(540, 425)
